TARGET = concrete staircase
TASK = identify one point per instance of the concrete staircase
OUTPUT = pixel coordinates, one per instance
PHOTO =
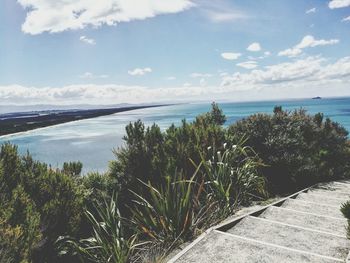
(304, 227)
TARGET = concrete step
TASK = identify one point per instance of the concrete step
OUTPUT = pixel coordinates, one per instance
(327, 224)
(292, 237)
(345, 187)
(344, 195)
(227, 248)
(321, 199)
(310, 207)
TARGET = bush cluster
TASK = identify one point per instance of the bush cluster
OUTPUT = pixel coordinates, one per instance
(37, 205)
(298, 149)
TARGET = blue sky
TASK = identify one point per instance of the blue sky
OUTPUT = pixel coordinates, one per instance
(135, 51)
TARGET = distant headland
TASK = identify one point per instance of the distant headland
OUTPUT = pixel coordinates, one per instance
(25, 121)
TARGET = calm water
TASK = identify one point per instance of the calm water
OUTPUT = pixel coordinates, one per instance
(92, 141)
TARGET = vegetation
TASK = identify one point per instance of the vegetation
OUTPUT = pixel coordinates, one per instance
(345, 209)
(163, 188)
(297, 149)
(38, 205)
(107, 243)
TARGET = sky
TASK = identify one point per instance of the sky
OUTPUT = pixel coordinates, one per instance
(148, 51)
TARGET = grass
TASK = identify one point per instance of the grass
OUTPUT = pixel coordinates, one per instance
(108, 243)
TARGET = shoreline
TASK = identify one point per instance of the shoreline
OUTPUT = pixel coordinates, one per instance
(98, 113)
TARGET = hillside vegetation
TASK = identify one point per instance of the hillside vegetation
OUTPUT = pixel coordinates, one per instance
(163, 188)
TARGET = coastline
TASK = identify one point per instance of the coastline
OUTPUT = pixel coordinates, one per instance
(99, 113)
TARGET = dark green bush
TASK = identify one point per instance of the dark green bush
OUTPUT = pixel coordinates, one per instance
(298, 149)
(150, 154)
(37, 205)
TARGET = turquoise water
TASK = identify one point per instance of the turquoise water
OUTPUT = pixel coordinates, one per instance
(92, 141)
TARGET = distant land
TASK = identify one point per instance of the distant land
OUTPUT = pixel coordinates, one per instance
(316, 98)
(24, 121)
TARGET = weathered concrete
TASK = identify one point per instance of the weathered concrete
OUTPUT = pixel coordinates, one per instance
(314, 208)
(304, 219)
(219, 247)
(304, 227)
(292, 237)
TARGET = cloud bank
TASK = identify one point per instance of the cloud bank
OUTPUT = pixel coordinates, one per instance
(59, 15)
(310, 76)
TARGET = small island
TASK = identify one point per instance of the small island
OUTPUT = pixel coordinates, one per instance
(316, 98)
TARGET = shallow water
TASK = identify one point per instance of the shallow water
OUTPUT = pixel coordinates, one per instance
(92, 141)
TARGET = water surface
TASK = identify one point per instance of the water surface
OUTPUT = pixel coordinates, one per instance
(92, 141)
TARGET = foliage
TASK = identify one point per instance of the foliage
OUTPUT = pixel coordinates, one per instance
(345, 209)
(150, 154)
(171, 213)
(232, 177)
(37, 205)
(298, 149)
(107, 244)
(72, 168)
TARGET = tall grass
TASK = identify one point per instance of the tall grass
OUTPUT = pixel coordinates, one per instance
(172, 212)
(232, 177)
(107, 243)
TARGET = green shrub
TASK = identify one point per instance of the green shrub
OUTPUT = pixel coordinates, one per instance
(72, 168)
(150, 154)
(298, 149)
(37, 205)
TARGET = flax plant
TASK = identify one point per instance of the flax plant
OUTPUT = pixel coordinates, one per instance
(172, 212)
(232, 176)
(108, 243)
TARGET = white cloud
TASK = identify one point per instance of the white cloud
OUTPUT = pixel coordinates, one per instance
(170, 78)
(89, 75)
(200, 75)
(139, 71)
(230, 55)
(187, 84)
(220, 11)
(307, 42)
(338, 4)
(311, 10)
(248, 64)
(267, 53)
(86, 40)
(346, 19)
(224, 16)
(310, 41)
(290, 52)
(254, 47)
(310, 76)
(57, 16)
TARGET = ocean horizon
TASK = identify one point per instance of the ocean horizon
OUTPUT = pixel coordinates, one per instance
(92, 141)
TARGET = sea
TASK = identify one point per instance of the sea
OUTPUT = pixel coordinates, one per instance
(92, 141)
